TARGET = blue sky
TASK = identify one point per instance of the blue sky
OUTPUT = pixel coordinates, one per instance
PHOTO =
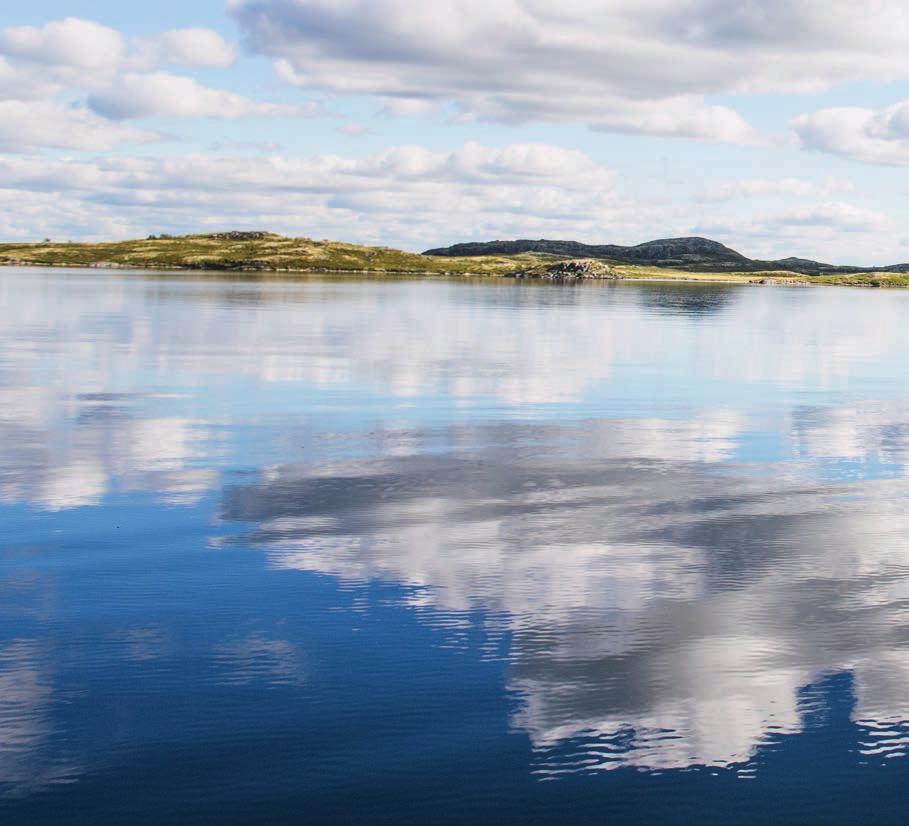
(780, 128)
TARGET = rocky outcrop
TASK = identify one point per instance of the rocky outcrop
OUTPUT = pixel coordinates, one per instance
(236, 235)
(578, 270)
(239, 265)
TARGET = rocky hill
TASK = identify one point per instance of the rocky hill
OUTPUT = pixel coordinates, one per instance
(695, 254)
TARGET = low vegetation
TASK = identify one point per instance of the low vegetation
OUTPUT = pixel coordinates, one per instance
(256, 254)
(252, 252)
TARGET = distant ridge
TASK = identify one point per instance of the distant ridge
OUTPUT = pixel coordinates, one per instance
(679, 253)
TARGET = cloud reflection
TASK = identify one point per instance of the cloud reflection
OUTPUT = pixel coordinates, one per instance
(115, 383)
(667, 586)
(665, 608)
(26, 696)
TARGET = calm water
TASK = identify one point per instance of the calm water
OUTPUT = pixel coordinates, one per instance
(449, 552)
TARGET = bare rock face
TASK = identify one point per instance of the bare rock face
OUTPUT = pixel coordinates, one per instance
(253, 265)
(577, 270)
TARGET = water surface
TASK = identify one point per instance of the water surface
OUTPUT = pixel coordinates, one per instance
(339, 551)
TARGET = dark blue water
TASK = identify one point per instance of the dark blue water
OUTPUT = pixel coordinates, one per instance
(451, 552)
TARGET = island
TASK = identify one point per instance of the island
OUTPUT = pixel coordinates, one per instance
(260, 253)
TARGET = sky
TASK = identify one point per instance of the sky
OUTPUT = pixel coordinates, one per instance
(778, 127)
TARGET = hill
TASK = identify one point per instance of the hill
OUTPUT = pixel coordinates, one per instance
(668, 252)
(258, 254)
(252, 252)
(699, 254)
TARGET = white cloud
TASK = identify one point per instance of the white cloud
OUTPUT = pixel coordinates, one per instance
(164, 95)
(867, 135)
(185, 47)
(83, 44)
(71, 42)
(28, 125)
(40, 63)
(835, 216)
(679, 117)
(509, 62)
(391, 107)
(770, 188)
(51, 65)
(830, 231)
(474, 190)
(641, 66)
(28, 82)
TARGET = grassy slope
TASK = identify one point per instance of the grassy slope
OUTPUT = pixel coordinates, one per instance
(273, 253)
(303, 255)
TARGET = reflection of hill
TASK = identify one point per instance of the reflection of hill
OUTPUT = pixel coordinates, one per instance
(687, 299)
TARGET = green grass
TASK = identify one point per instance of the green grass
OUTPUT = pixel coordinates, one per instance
(277, 254)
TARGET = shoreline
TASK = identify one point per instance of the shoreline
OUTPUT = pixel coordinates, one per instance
(756, 279)
(262, 255)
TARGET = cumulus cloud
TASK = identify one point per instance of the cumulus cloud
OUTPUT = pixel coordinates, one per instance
(599, 61)
(39, 63)
(511, 62)
(84, 44)
(770, 187)
(26, 82)
(165, 95)
(679, 117)
(868, 135)
(836, 232)
(71, 42)
(472, 191)
(29, 125)
(185, 47)
(50, 65)
(837, 216)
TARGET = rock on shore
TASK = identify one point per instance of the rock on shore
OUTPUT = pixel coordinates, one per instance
(577, 270)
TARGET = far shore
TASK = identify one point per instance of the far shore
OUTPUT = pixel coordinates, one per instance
(262, 255)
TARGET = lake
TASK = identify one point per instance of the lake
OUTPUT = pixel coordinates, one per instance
(439, 551)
